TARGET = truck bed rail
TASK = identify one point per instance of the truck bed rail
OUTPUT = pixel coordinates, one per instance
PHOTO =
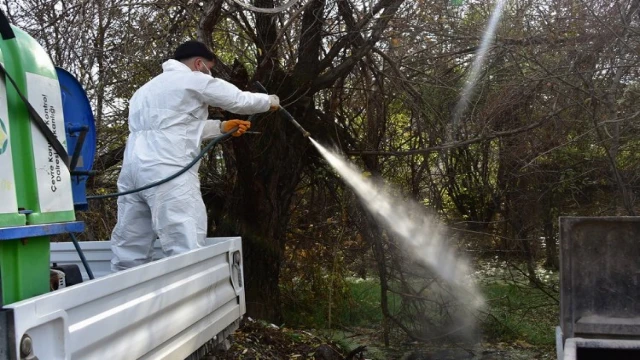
(163, 310)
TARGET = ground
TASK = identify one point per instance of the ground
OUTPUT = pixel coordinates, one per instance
(257, 340)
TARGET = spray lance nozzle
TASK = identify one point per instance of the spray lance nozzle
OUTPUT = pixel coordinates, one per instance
(286, 114)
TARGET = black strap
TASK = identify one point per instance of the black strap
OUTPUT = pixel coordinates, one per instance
(5, 28)
(42, 126)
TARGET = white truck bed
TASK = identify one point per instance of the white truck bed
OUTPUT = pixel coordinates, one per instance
(163, 310)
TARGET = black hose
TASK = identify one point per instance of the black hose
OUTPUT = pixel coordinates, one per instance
(5, 27)
(201, 154)
(180, 172)
(82, 258)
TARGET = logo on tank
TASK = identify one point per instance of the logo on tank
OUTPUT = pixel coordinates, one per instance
(4, 138)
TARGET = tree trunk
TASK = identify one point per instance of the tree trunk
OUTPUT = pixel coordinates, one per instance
(268, 170)
(552, 260)
(375, 129)
(529, 258)
(268, 166)
(376, 237)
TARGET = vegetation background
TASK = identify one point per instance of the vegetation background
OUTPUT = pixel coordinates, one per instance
(552, 130)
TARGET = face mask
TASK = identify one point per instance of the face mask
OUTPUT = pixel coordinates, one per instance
(205, 71)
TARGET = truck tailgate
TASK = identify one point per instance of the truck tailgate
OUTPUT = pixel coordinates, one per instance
(163, 310)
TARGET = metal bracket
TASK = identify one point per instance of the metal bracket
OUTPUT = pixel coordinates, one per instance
(78, 149)
(29, 231)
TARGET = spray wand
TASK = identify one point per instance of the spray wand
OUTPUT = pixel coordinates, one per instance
(286, 114)
(226, 135)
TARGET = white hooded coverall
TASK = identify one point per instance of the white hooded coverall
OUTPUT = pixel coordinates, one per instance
(167, 123)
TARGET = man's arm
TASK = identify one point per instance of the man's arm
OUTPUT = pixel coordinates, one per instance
(222, 94)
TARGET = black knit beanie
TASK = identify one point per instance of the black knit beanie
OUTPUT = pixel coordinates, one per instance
(191, 49)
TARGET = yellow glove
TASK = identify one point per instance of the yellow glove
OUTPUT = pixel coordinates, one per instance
(229, 125)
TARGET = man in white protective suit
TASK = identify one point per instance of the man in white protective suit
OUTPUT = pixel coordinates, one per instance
(167, 124)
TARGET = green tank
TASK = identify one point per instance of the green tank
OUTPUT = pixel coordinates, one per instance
(37, 187)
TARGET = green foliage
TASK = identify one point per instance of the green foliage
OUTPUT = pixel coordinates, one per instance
(365, 303)
(519, 313)
(515, 312)
(552, 69)
(358, 305)
(231, 45)
(310, 291)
